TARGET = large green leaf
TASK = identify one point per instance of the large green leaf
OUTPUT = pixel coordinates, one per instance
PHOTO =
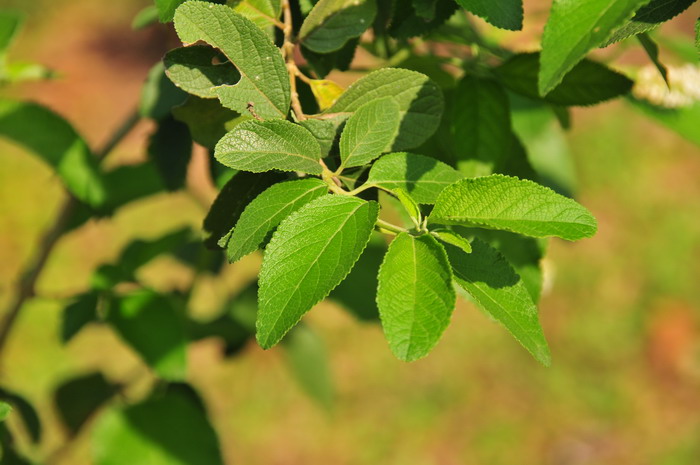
(199, 70)
(587, 83)
(263, 214)
(259, 146)
(420, 102)
(56, 142)
(506, 14)
(78, 399)
(422, 177)
(499, 291)
(415, 295)
(649, 17)
(332, 23)
(574, 28)
(166, 9)
(308, 361)
(369, 132)
(479, 125)
(311, 252)
(171, 429)
(151, 325)
(264, 84)
(511, 204)
(238, 192)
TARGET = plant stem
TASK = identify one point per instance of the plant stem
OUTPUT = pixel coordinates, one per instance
(288, 52)
(25, 287)
(391, 227)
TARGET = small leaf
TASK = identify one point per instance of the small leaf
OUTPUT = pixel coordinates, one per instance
(78, 399)
(149, 323)
(259, 146)
(5, 410)
(649, 17)
(77, 314)
(500, 292)
(311, 252)
(164, 430)
(10, 24)
(54, 140)
(264, 80)
(574, 28)
(323, 63)
(422, 177)
(506, 14)
(144, 18)
(26, 411)
(332, 23)
(166, 9)
(170, 150)
(652, 50)
(415, 295)
(238, 192)
(451, 237)
(307, 359)
(159, 95)
(199, 70)
(369, 132)
(479, 125)
(408, 203)
(587, 83)
(420, 102)
(326, 92)
(265, 213)
(511, 204)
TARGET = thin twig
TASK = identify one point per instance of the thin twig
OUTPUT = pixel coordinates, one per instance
(288, 52)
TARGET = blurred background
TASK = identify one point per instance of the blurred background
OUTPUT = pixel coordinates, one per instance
(622, 314)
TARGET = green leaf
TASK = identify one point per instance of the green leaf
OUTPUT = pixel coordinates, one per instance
(78, 399)
(264, 83)
(10, 24)
(5, 410)
(77, 314)
(408, 203)
(170, 150)
(420, 102)
(652, 50)
(332, 23)
(574, 28)
(150, 324)
(500, 292)
(506, 14)
(683, 120)
(311, 252)
(166, 9)
(425, 8)
(159, 95)
(199, 70)
(164, 430)
(451, 237)
(56, 142)
(408, 22)
(587, 83)
(259, 146)
(238, 192)
(324, 132)
(144, 18)
(323, 63)
(307, 359)
(422, 177)
(511, 204)
(207, 120)
(479, 125)
(363, 305)
(415, 295)
(262, 12)
(267, 211)
(26, 411)
(369, 132)
(649, 17)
